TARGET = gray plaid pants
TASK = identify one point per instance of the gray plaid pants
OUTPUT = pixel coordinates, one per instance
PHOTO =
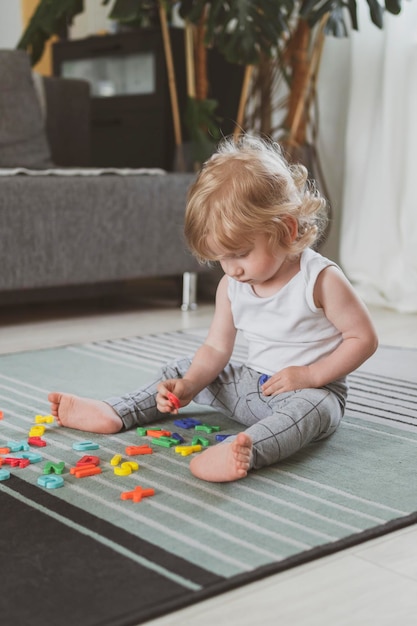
(278, 425)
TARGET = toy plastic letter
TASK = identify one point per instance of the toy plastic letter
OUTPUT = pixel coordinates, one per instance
(207, 428)
(200, 441)
(85, 445)
(123, 470)
(187, 450)
(137, 494)
(17, 446)
(126, 468)
(4, 474)
(187, 422)
(85, 470)
(44, 419)
(36, 431)
(158, 432)
(174, 400)
(88, 460)
(15, 461)
(51, 481)
(54, 468)
(165, 442)
(33, 457)
(37, 441)
(133, 450)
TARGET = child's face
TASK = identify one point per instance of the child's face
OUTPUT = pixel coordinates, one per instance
(255, 265)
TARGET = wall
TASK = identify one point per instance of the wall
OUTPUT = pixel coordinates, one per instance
(10, 23)
(333, 90)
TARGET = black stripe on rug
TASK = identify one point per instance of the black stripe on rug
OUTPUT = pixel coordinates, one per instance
(153, 553)
(56, 574)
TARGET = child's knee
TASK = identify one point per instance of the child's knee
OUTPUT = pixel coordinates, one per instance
(175, 369)
(330, 415)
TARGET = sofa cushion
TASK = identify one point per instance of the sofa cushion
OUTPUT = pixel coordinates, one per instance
(23, 139)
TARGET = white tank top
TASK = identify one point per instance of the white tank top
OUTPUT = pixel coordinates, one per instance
(286, 328)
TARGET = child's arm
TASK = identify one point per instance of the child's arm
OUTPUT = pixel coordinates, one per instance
(348, 314)
(209, 360)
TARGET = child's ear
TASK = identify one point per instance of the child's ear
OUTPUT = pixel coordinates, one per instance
(292, 225)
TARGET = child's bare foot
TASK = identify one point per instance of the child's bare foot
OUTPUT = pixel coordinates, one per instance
(84, 413)
(224, 462)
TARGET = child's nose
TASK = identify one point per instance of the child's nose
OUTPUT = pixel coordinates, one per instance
(236, 270)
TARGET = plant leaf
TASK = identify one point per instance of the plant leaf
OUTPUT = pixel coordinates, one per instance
(131, 11)
(377, 12)
(202, 124)
(316, 14)
(241, 29)
(336, 25)
(47, 20)
(393, 6)
(353, 12)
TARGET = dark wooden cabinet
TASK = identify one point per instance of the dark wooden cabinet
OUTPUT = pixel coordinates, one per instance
(131, 123)
(131, 117)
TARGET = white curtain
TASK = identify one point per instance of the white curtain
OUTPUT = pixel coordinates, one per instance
(378, 248)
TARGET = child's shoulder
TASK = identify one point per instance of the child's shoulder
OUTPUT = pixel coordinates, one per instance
(312, 266)
(312, 262)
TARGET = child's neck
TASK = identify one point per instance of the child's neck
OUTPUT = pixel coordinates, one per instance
(288, 270)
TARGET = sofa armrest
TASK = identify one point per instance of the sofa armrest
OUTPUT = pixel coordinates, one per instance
(68, 106)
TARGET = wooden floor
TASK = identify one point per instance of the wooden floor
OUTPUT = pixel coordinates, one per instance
(374, 583)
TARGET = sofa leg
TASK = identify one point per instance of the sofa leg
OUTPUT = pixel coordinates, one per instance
(189, 291)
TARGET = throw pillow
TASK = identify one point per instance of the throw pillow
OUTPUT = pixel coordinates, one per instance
(23, 141)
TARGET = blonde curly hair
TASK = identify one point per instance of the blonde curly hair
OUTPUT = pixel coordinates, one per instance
(248, 188)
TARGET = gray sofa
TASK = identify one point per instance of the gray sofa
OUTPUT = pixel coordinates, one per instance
(67, 230)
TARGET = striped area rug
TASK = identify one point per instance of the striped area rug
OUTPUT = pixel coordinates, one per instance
(87, 557)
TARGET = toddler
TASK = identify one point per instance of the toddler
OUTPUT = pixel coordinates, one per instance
(305, 327)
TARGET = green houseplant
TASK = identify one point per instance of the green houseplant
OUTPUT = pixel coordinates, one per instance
(273, 39)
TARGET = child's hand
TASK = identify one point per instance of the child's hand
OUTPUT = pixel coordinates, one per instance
(172, 394)
(288, 379)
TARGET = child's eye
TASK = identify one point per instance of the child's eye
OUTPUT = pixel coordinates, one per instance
(236, 255)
